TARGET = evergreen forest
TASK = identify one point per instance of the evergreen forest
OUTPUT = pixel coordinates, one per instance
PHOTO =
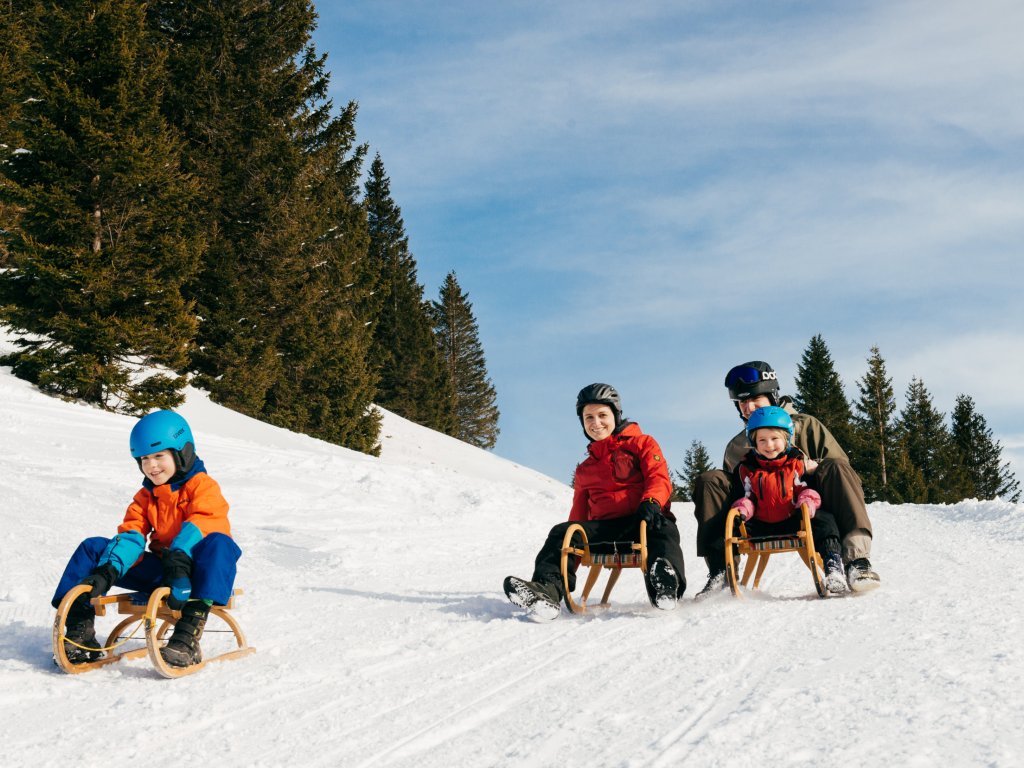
(180, 202)
(908, 456)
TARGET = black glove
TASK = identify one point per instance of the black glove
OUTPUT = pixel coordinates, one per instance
(650, 510)
(101, 580)
(177, 576)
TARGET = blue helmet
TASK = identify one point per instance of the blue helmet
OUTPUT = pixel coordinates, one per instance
(164, 431)
(772, 417)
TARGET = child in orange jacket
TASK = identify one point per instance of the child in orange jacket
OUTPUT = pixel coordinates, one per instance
(181, 510)
(623, 480)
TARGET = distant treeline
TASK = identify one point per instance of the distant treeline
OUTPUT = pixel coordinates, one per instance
(909, 457)
(181, 202)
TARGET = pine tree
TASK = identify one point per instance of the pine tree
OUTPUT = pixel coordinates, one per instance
(324, 343)
(16, 51)
(239, 89)
(284, 294)
(695, 462)
(874, 443)
(474, 399)
(104, 238)
(414, 381)
(928, 449)
(981, 455)
(819, 391)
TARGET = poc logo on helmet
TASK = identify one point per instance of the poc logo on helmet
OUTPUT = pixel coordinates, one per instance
(769, 376)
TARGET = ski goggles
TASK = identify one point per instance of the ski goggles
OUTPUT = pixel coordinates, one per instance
(745, 374)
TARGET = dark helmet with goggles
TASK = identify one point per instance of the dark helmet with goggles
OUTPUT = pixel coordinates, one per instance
(751, 379)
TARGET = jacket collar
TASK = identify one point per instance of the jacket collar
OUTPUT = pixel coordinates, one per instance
(625, 430)
(179, 479)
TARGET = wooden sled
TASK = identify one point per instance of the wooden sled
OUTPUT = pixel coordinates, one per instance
(759, 548)
(148, 613)
(614, 556)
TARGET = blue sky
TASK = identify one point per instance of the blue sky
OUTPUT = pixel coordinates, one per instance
(649, 193)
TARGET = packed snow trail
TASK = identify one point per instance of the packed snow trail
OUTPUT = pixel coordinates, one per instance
(373, 597)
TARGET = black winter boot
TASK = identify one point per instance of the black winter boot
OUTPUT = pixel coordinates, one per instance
(541, 600)
(662, 584)
(861, 576)
(183, 650)
(79, 631)
(835, 577)
(716, 576)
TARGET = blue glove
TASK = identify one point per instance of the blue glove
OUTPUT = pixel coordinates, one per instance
(177, 576)
(650, 510)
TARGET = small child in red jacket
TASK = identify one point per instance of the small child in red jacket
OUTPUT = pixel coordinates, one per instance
(623, 480)
(181, 510)
(772, 474)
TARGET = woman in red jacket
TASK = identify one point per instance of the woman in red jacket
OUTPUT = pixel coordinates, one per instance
(623, 480)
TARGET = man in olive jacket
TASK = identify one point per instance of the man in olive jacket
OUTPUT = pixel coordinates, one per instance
(751, 386)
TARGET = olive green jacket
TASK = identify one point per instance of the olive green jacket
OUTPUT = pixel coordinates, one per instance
(809, 435)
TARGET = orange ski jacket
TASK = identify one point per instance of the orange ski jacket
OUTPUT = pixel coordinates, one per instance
(159, 512)
(621, 471)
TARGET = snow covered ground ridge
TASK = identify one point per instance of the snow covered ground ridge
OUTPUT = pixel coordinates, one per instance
(373, 597)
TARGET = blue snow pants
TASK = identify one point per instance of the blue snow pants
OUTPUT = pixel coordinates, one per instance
(214, 562)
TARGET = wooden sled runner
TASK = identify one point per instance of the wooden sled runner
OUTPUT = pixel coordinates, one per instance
(613, 555)
(150, 614)
(759, 548)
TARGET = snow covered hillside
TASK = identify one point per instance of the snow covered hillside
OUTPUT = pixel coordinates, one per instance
(373, 597)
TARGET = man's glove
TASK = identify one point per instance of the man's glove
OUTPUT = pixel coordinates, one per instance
(745, 507)
(101, 580)
(177, 573)
(650, 510)
(811, 498)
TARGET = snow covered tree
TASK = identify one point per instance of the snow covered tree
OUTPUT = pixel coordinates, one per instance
(104, 238)
(981, 454)
(819, 391)
(695, 461)
(874, 443)
(414, 381)
(474, 401)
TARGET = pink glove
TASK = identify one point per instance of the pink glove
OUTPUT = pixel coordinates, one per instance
(811, 498)
(745, 507)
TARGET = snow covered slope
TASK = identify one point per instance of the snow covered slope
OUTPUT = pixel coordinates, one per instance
(373, 596)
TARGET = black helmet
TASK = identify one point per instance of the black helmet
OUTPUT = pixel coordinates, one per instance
(752, 379)
(604, 394)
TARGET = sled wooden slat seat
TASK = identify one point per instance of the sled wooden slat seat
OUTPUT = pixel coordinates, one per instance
(150, 612)
(613, 556)
(758, 550)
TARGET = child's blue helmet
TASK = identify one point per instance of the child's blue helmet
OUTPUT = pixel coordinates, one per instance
(771, 417)
(164, 431)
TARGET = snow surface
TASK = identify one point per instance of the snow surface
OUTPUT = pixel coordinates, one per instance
(373, 597)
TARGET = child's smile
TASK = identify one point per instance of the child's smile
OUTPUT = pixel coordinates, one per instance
(158, 467)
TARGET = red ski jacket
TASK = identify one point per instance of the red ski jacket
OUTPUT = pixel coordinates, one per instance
(773, 484)
(621, 471)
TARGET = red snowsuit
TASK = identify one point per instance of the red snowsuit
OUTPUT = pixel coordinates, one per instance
(621, 471)
(773, 484)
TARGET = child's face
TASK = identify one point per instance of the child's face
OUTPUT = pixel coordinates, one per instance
(158, 467)
(598, 421)
(770, 442)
